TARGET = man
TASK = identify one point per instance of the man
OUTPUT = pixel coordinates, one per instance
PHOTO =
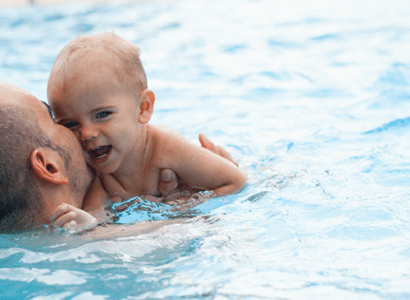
(42, 165)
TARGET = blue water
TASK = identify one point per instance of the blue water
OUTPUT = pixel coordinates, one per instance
(312, 98)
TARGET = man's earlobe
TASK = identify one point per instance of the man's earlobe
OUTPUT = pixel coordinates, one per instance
(146, 106)
(44, 164)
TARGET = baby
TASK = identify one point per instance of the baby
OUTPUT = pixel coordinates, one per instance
(98, 89)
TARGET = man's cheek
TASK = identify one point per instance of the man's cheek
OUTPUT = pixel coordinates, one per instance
(86, 157)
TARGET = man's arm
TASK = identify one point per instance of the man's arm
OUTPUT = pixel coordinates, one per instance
(115, 231)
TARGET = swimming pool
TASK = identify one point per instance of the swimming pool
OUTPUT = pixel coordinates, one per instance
(313, 100)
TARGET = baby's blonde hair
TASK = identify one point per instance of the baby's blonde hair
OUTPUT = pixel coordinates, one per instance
(124, 60)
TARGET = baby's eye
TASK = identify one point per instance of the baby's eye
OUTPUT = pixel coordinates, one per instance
(70, 125)
(49, 109)
(103, 114)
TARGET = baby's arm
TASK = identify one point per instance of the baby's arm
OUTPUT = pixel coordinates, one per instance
(198, 167)
(218, 150)
(96, 199)
(68, 216)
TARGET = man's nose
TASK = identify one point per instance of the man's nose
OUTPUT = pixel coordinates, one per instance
(88, 133)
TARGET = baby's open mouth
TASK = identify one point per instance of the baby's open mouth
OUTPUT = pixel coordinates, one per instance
(100, 152)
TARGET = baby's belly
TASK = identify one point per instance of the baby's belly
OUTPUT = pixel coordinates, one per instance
(144, 184)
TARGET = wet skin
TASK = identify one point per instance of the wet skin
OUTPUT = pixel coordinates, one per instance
(60, 136)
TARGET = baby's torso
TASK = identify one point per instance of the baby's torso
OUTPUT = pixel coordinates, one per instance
(145, 179)
(145, 183)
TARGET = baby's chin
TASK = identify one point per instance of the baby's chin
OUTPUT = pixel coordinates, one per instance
(103, 169)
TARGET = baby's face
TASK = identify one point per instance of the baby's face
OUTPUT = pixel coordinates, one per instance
(101, 113)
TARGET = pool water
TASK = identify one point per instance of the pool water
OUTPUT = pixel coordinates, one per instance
(312, 98)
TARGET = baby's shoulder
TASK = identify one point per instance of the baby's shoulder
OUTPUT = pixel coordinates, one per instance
(163, 133)
(165, 139)
(161, 129)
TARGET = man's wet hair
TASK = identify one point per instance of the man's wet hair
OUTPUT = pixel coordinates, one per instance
(20, 135)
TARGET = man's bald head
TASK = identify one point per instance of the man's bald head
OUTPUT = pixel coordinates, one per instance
(20, 134)
(19, 195)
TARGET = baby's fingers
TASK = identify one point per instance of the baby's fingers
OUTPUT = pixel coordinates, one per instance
(63, 220)
(71, 224)
(61, 209)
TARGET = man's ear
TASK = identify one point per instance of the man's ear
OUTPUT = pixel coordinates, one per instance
(46, 165)
(146, 106)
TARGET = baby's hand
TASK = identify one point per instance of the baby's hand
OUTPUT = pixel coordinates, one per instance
(70, 217)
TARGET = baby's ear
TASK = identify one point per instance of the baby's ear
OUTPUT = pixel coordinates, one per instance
(146, 106)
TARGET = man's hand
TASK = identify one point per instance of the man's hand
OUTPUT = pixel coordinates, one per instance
(207, 144)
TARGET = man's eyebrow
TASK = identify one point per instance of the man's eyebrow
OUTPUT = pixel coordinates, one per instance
(49, 109)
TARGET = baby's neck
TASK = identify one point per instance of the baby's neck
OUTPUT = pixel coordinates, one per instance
(128, 179)
(138, 157)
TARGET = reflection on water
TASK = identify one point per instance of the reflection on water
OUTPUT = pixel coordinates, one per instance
(311, 98)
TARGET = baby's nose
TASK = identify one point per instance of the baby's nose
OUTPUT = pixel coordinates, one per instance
(88, 133)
